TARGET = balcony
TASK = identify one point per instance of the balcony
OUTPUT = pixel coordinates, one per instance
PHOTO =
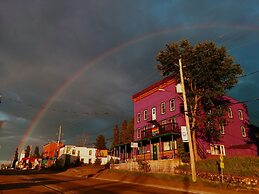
(160, 130)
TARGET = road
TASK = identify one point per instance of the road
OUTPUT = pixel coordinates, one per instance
(55, 183)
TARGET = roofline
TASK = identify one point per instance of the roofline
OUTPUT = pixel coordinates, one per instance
(152, 86)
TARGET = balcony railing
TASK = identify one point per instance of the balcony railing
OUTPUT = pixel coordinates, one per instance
(162, 129)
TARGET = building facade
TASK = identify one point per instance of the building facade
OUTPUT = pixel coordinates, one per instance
(158, 120)
(50, 153)
(71, 153)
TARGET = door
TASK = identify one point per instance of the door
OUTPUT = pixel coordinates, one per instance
(154, 152)
(153, 113)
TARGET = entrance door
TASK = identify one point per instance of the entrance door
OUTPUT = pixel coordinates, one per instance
(154, 152)
(154, 113)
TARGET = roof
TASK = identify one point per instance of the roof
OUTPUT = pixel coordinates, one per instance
(154, 87)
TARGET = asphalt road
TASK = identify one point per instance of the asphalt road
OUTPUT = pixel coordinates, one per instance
(54, 183)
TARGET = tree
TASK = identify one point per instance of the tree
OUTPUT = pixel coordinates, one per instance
(129, 136)
(100, 142)
(208, 73)
(27, 151)
(15, 159)
(36, 153)
(115, 135)
(123, 132)
(82, 139)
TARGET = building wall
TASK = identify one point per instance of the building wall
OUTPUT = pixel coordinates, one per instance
(232, 143)
(86, 155)
(50, 152)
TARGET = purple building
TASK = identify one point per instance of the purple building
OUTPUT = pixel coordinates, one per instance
(158, 119)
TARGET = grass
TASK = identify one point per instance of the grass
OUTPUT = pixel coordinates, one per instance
(241, 166)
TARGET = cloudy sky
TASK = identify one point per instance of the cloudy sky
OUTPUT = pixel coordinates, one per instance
(77, 63)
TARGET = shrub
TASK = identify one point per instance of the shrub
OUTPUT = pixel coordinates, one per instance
(144, 166)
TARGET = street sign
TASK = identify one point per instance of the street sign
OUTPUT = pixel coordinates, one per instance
(184, 134)
(133, 145)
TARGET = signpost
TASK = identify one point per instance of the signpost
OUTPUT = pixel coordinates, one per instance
(221, 166)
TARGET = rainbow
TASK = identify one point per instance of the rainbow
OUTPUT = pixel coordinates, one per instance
(49, 101)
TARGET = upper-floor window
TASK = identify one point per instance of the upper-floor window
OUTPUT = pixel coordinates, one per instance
(90, 152)
(78, 153)
(138, 133)
(163, 108)
(73, 152)
(240, 115)
(145, 114)
(173, 121)
(172, 104)
(230, 115)
(243, 130)
(222, 128)
(163, 123)
(138, 117)
(153, 111)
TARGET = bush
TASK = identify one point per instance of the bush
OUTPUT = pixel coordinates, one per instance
(144, 166)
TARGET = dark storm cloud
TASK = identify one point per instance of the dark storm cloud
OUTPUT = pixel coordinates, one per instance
(43, 43)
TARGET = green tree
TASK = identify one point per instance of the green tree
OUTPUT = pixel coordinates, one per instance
(115, 135)
(36, 153)
(100, 142)
(209, 71)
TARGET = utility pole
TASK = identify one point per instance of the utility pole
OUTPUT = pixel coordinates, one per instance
(187, 124)
(59, 139)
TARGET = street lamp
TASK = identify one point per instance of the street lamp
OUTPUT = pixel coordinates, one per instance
(187, 124)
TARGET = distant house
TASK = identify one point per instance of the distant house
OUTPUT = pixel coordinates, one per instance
(158, 119)
(50, 153)
(70, 153)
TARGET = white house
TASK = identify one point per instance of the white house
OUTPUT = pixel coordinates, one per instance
(72, 153)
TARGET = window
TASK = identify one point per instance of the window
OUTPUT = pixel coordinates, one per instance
(154, 113)
(230, 115)
(138, 133)
(73, 152)
(217, 149)
(167, 145)
(163, 110)
(240, 115)
(173, 122)
(90, 152)
(138, 117)
(78, 153)
(172, 104)
(163, 123)
(144, 131)
(243, 130)
(145, 114)
(222, 128)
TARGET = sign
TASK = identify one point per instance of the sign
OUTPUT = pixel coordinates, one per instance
(221, 165)
(133, 145)
(184, 134)
(155, 131)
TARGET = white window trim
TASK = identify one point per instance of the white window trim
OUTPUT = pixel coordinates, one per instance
(138, 117)
(221, 149)
(138, 133)
(163, 108)
(243, 131)
(240, 115)
(222, 128)
(230, 113)
(172, 101)
(145, 115)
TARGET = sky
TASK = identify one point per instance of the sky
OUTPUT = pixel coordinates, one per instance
(77, 63)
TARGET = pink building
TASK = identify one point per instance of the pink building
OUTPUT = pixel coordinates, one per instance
(158, 119)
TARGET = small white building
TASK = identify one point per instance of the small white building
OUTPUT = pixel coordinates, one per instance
(86, 155)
